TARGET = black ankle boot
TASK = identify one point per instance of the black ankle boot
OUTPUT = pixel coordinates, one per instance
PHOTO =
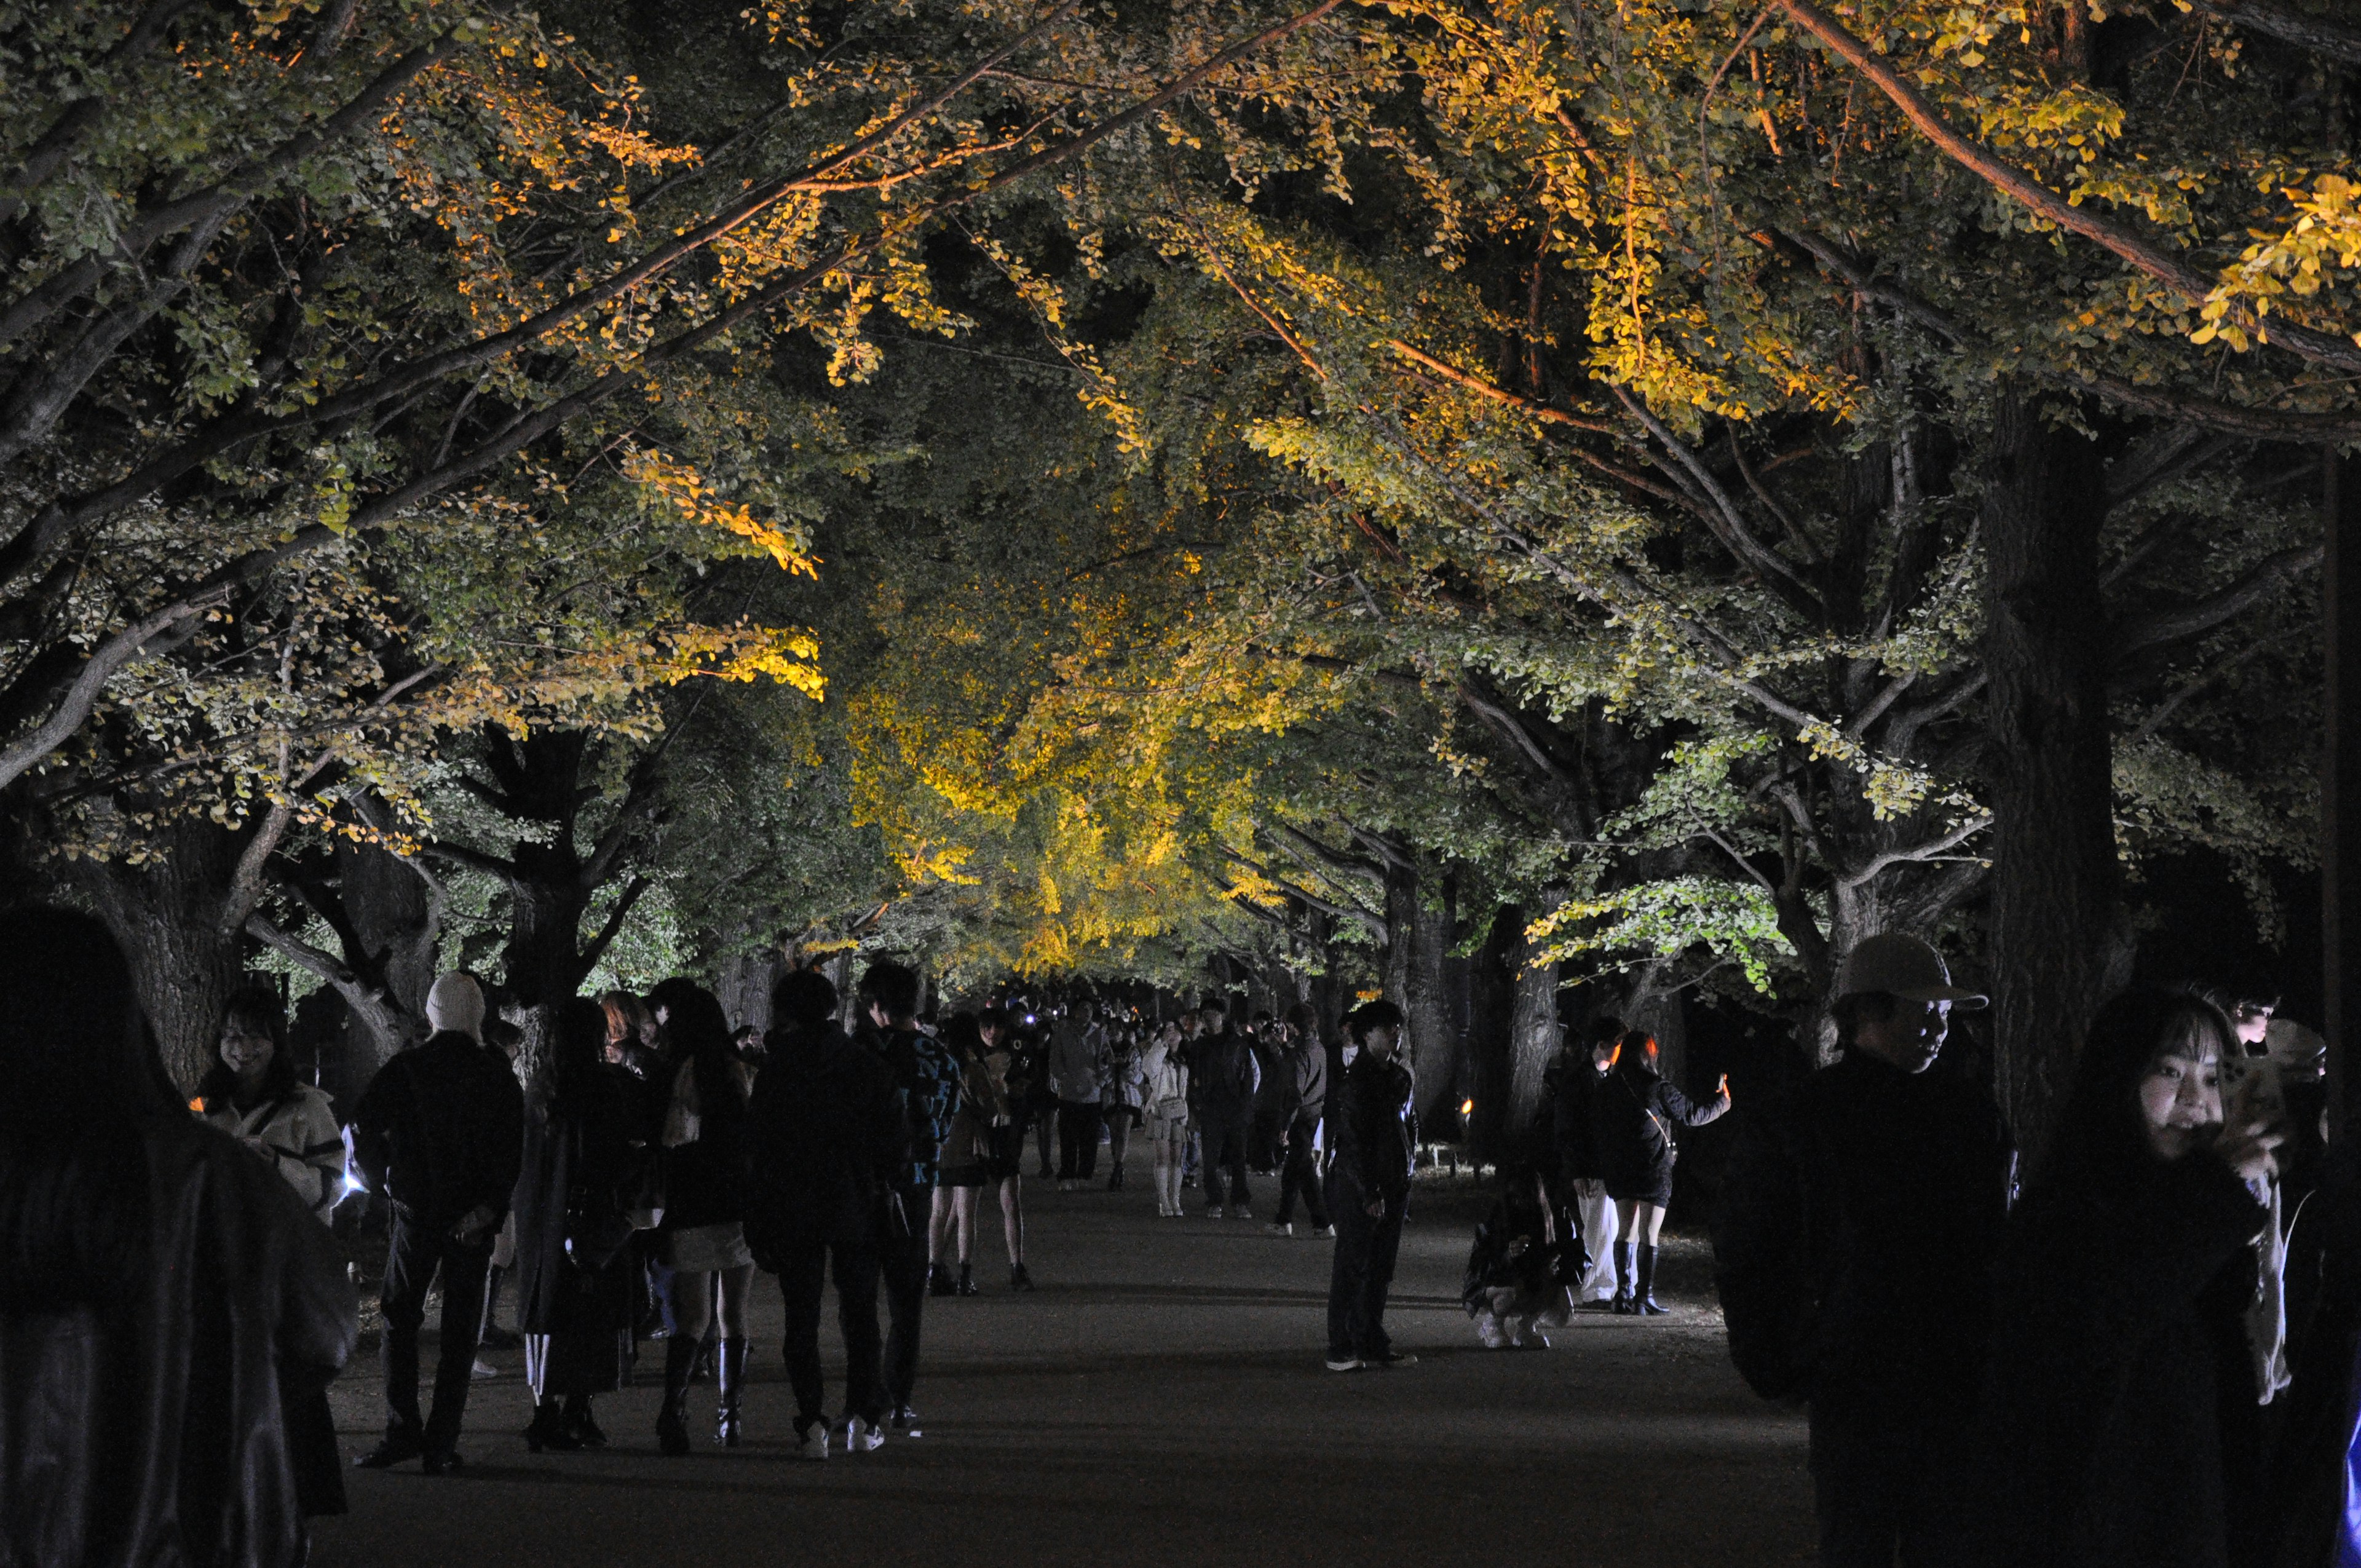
(938, 1281)
(1647, 1302)
(672, 1429)
(548, 1429)
(966, 1285)
(730, 1361)
(1115, 1177)
(1626, 1267)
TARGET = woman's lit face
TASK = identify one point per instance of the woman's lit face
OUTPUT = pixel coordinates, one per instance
(245, 1049)
(2180, 1102)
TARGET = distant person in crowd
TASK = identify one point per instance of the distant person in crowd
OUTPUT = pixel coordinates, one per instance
(1573, 1081)
(576, 1280)
(1369, 1169)
(439, 1133)
(252, 1093)
(1304, 1064)
(1266, 1123)
(1521, 1271)
(1632, 1113)
(1192, 1036)
(1860, 1216)
(1003, 1165)
(147, 1264)
(2121, 1425)
(1225, 1077)
(633, 1036)
(823, 1139)
(702, 1240)
(977, 1135)
(928, 1079)
(1074, 1076)
(506, 1039)
(1033, 1046)
(1164, 1101)
(1119, 1095)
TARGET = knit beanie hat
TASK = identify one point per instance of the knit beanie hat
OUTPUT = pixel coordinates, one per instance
(457, 1003)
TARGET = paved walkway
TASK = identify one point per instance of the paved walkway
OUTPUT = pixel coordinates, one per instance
(1160, 1396)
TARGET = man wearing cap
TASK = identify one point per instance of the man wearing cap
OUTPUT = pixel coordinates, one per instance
(1853, 1253)
(439, 1133)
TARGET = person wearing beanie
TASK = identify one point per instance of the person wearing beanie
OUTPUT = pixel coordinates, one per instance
(439, 1135)
(1861, 1218)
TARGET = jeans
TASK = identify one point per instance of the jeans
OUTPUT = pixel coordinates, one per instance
(1077, 1140)
(413, 1253)
(903, 1263)
(1300, 1173)
(1225, 1149)
(804, 1261)
(1366, 1246)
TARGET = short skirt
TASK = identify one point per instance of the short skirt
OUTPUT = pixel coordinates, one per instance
(965, 1176)
(708, 1249)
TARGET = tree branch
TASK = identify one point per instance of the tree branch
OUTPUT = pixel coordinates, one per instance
(2260, 581)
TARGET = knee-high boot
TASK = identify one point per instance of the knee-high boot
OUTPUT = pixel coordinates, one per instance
(671, 1428)
(1626, 1266)
(730, 1364)
(1647, 1301)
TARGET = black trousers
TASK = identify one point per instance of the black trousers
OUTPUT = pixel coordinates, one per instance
(851, 1244)
(414, 1253)
(1363, 1271)
(1077, 1140)
(1225, 1150)
(904, 1265)
(1881, 1484)
(1300, 1173)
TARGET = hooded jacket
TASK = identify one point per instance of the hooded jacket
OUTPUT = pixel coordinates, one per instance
(440, 1131)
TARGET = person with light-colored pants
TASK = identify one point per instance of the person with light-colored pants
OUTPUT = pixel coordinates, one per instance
(1597, 1212)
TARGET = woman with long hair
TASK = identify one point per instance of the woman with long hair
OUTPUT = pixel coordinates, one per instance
(147, 1264)
(1633, 1114)
(577, 1283)
(703, 1238)
(979, 1128)
(1164, 1101)
(252, 1093)
(2120, 1408)
(1003, 1165)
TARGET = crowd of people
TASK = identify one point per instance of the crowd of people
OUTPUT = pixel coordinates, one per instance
(2144, 1357)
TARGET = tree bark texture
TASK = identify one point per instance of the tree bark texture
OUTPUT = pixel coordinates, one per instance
(401, 927)
(1418, 936)
(2054, 883)
(167, 915)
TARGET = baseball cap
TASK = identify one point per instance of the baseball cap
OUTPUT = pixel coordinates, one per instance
(1903, 966)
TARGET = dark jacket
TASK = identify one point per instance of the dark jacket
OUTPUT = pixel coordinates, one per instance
(705, 1178)
(1223, 1076)
(1853, 1251)
(1311, 1063)
(1570, 1081)
(823, 1139)
(144, 1412)
(440, 1131)
(1633, 1114)
(578, 1162)
(1375, 1132)
(1521, 1247)
(926, 1077)
(2118, 1421)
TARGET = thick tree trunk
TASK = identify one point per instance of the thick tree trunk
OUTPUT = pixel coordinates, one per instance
(1533, 1040)
(400, 926)
(744, 984)
(167, 914)
(1419, 936)
(2054, 881)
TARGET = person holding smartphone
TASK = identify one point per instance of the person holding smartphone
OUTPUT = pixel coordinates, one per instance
(1369, 1189)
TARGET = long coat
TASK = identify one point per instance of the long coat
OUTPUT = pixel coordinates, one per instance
(579, 1155)
(2119, 1405)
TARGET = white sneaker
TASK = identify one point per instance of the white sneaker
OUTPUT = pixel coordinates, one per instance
(1348, 1364)
(482, 1370)
(1278, 1228)
(860, 1437)
(1324, 1234)
(812, 1444)
(1487, 1328)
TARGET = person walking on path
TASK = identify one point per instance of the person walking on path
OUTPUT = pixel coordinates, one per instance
(2121, 1424)
(165, 1301)
(1075, 1071)
(1306, 1063)
(823, 1135)
(576, 1276)
(1573, 1081)
(1632, 1113)
(702, 1240)
(1853, 1253)
(1370, 1171)
(439, 1133)
(1119, 1094)
(252, 1093)
(1225, 1077)
(928, 1079)
(1164, 1104)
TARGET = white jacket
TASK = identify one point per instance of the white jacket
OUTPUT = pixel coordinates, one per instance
(299, 1135)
